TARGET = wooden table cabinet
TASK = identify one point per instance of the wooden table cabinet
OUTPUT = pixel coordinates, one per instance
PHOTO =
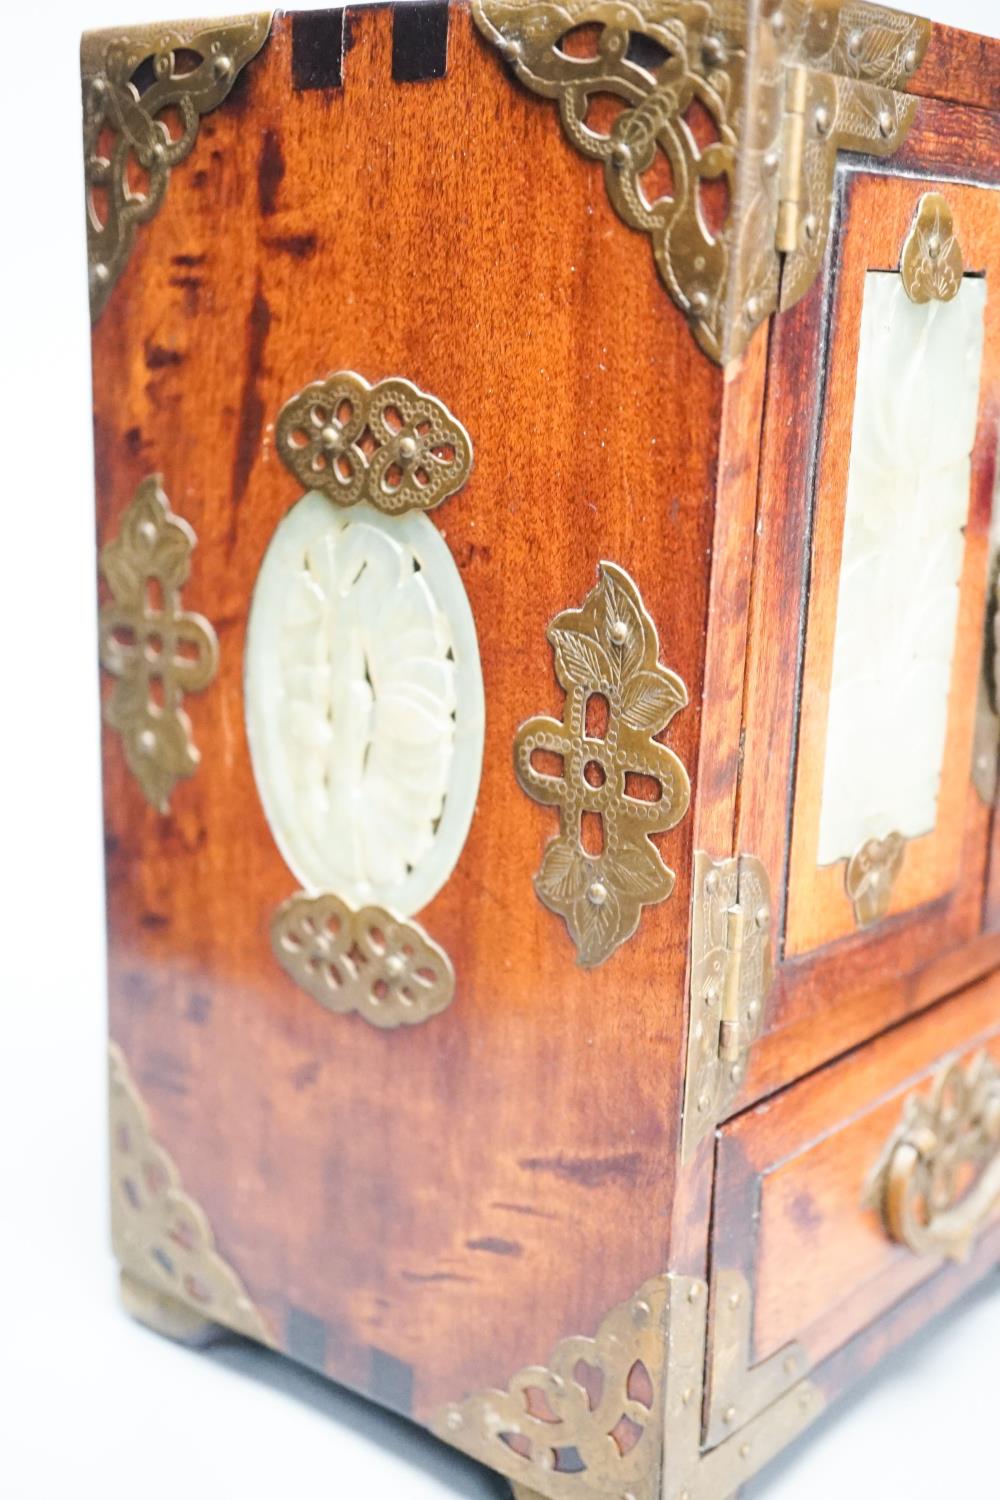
(546, 473)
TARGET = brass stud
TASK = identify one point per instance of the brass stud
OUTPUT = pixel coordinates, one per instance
(598, 893)
(822, 119)
(886, 122)
(694, 1292)
(744, 1450)
(729, 1415)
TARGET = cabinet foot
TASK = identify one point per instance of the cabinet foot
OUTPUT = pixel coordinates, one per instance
(165, 1314)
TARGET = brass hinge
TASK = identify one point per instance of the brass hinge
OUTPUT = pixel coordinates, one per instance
(730, 974)
(793, 145)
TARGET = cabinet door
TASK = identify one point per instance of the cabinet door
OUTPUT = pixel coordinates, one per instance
(867, 636)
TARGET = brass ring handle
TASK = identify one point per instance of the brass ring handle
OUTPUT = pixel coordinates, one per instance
(937, 1183)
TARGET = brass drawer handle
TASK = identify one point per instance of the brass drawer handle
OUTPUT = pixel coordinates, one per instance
(937, 1183)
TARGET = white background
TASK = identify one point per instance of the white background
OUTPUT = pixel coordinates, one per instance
(91, 1403)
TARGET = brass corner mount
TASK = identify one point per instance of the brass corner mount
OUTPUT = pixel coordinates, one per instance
(142, 105)
(662, 1404)
(738, 208)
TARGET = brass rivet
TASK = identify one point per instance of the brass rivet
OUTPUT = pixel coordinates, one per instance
(763, 916)
(330, 437)
(734, 1299)
(753, 1010)
(809, 226)
(771, 163)
(147, 531)
(147, 741)
(621, 151)
(694, 1292)
(703, 1103)
(886, 122)
(641, 1313)
(736, 1073)
(454, 1420)
(394, 965)
(699, 301)
(753, 308)
(222, 65)
(686, 1396)
(100, 272)
(778, 23)
(407, 448)
(619, 632)
(822, 119)
(729, 1415)
(854, 43)
(744, 1450)
(598, 893)
(910, 60)
(712, 882)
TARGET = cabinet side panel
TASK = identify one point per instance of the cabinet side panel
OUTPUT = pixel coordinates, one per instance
(419, 1212)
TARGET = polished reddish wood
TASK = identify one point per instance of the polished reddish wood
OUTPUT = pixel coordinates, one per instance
(421, 1213)
(459, 1195)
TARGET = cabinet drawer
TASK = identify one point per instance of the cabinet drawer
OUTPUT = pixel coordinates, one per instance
(820, 1193)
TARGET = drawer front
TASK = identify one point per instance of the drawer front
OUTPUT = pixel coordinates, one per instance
(844, 1193)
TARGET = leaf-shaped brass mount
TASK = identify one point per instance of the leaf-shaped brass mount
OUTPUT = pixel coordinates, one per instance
(936, 1185)
(391, 443)
(870, 875)
(145, 642)
(932, 266)
(607, 650)
(161, 1236)
(724, 147)
(142, 104)
(370, 961)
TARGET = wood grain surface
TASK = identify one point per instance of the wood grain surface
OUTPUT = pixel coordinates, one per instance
(421, 1213)
(450, 1199)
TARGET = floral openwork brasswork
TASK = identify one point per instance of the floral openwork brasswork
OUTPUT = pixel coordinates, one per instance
(870, 875)
(161, 1236)
(932, 266)
(623, 782)
(369, 961)
(662, 1404)
(722, 146)
(390, 444)
(156, 650)
(937, 1183)
(144, 93)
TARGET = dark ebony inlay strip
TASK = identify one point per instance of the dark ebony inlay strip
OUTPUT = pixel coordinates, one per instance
(420, 40)
(392, 1382)
(317, 49)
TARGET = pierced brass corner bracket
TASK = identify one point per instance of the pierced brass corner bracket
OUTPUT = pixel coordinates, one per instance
(608, 650)
(724, 102)
(660, 1405)
(936, 1185)
(730, 974)
(162, 1238)
(142, 104)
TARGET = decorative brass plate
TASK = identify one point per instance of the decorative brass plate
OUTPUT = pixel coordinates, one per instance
(870, 875)
(932, 266)
(161, 1236)
(142, 104)
(370, 961)
(608, 649)
(620, 1415)
(730, 975)
(731, 115)
(921, 1186)
(156, 650)
(390, 444)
